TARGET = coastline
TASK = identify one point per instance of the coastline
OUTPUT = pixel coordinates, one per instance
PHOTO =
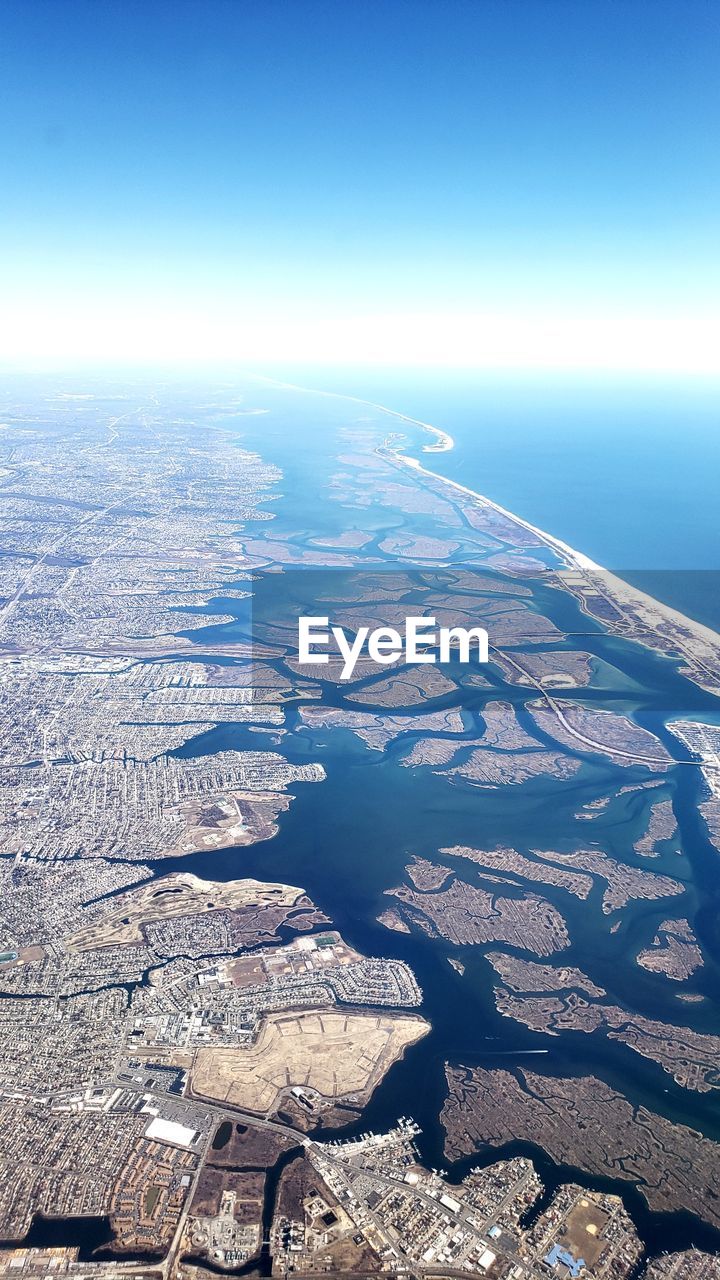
(444, 441)
(444, 444)
(702, 643)
(574, 559)
(652, 610)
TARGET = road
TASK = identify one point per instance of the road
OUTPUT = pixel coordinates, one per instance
(466, 1216)
(603, 747)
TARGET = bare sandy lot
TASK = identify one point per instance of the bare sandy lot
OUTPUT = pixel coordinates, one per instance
(338, 1055)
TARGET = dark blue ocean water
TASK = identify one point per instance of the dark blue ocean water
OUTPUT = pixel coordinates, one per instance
(610, 470)
(626, 472)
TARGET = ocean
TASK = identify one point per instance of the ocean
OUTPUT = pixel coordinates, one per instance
(599, 472)
(625, 471)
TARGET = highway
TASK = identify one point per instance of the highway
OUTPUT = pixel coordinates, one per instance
(465, 1217)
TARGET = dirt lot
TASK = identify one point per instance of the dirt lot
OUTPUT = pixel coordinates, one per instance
(337, 1054)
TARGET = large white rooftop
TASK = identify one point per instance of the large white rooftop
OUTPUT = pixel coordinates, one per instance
(170, 1131)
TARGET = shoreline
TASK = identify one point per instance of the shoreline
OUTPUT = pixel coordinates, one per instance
(444, 443)
(574, 559)
(623, 591)
(653, 611)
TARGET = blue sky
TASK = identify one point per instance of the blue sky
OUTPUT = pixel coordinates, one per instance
(498, 182)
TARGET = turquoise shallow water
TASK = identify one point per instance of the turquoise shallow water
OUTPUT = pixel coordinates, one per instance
(348, 840)
(625, 472)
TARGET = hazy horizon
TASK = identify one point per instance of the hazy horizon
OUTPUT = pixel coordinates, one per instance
(507, 187)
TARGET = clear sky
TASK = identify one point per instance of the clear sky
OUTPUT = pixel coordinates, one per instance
(480, 182)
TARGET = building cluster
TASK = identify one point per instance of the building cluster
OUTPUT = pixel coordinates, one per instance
(583, 1232)
(41, 903)
(103, 1152)
(47, 1044)
(59, 709)
(123, 560)
(109, 566)
(128, 808)
(414, 1220)
(112, 539)
(224, 1003)
(222, 1238)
